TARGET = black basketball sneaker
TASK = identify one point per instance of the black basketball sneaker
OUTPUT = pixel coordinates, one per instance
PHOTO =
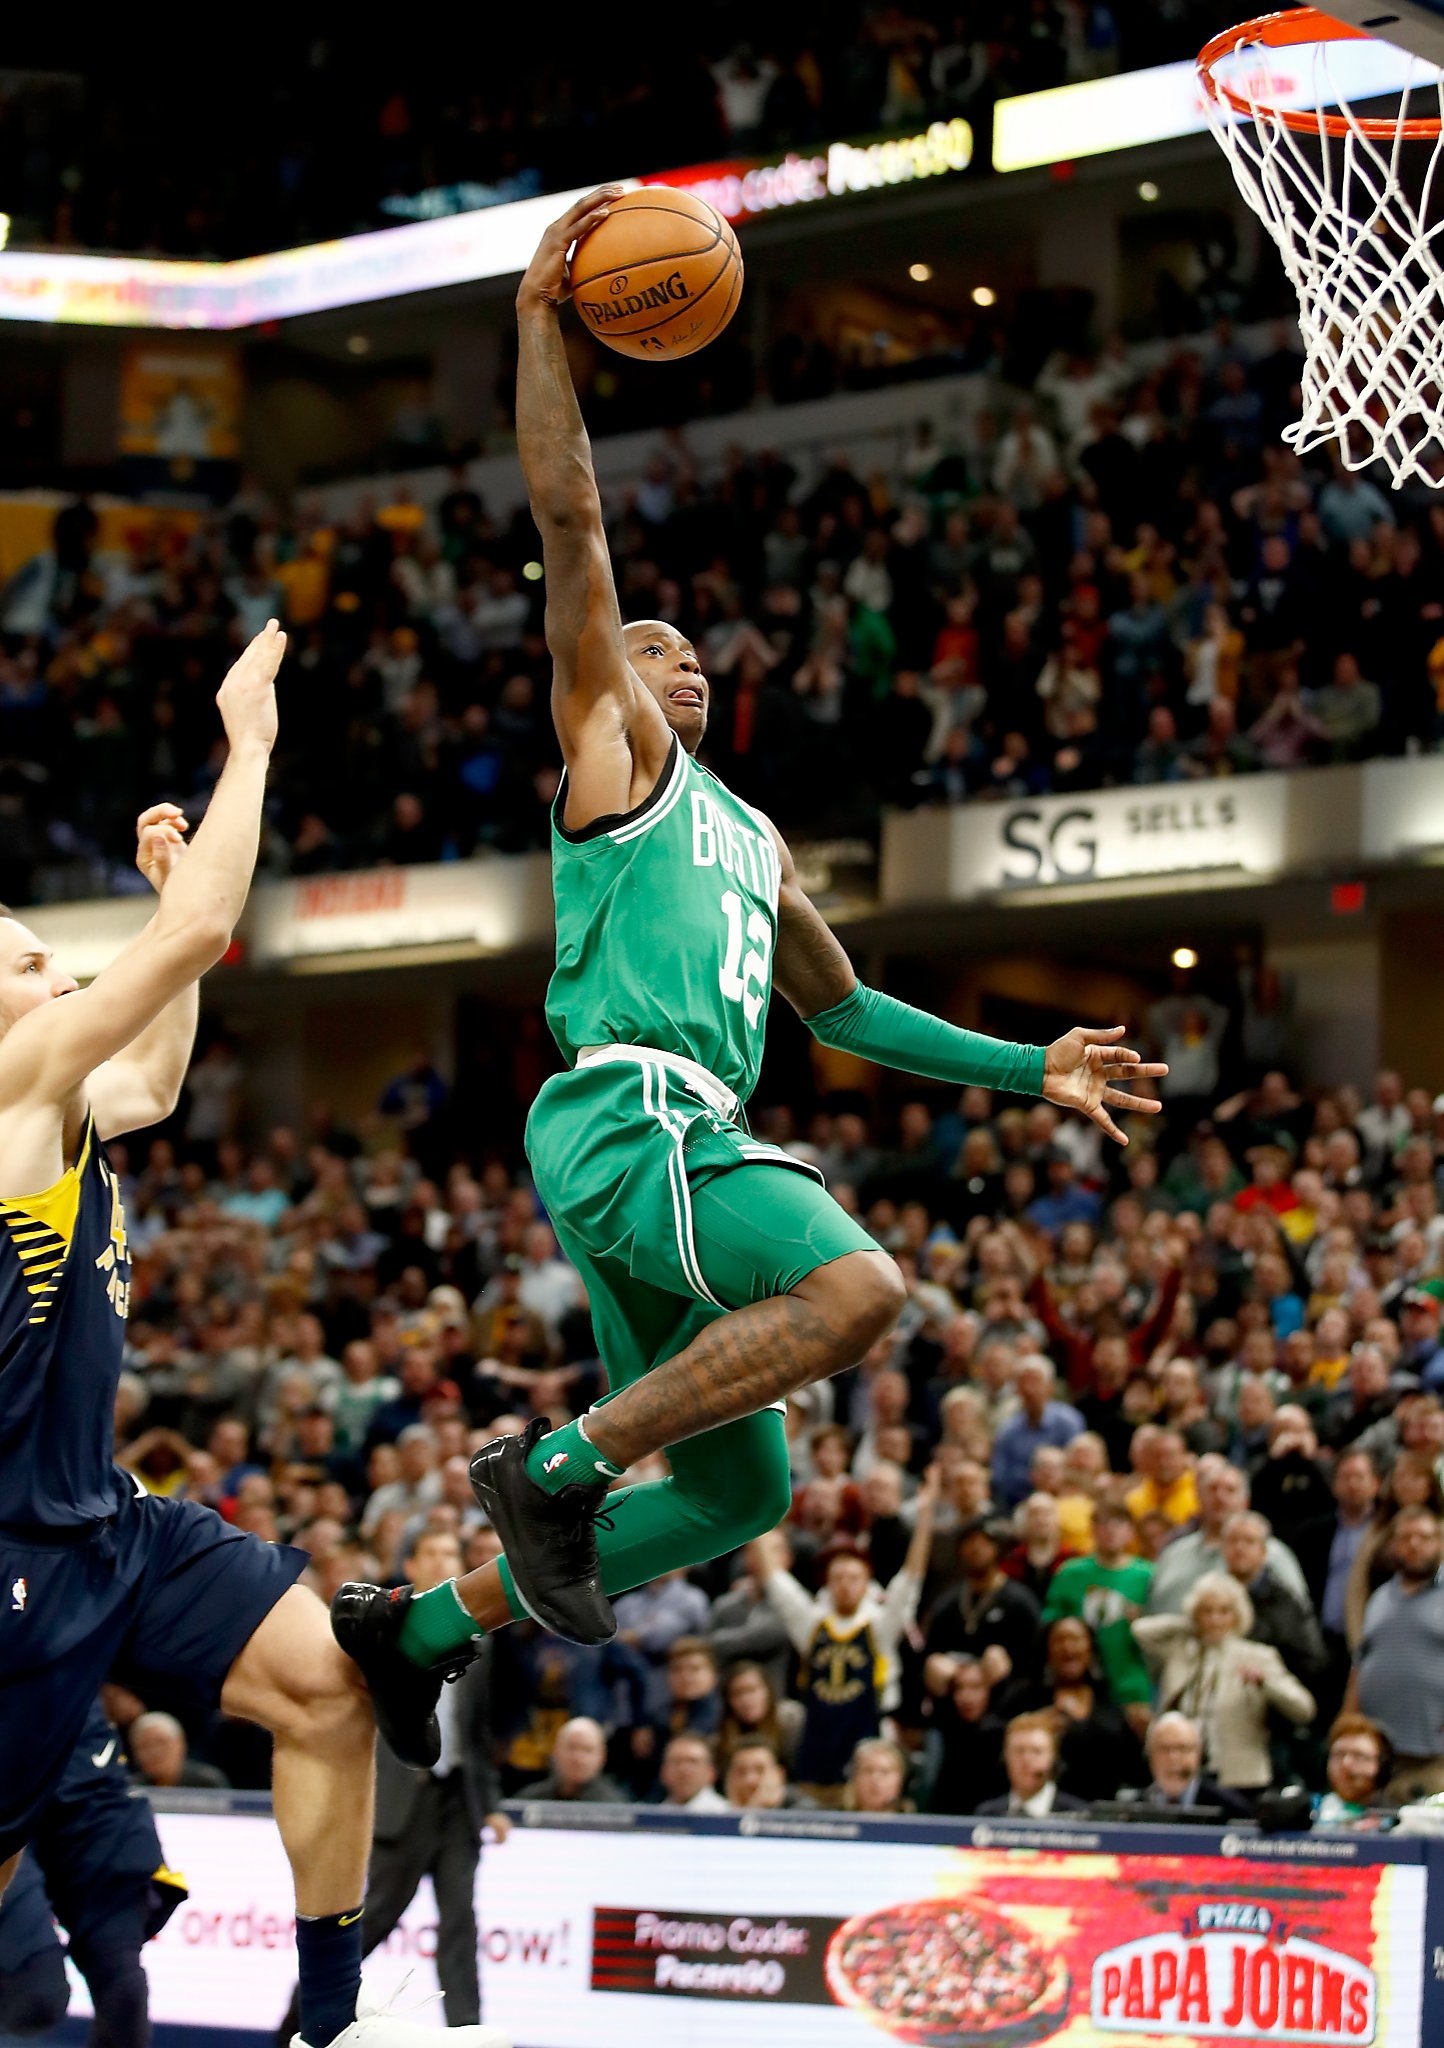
(367, 1622)
(550, 1539)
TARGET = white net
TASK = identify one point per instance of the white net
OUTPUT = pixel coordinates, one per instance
(1359, 223)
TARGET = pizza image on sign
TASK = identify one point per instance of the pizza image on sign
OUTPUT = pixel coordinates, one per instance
(946, 1971)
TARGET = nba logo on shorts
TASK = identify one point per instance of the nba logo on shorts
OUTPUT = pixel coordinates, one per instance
(557, 1458)
(19, 1593)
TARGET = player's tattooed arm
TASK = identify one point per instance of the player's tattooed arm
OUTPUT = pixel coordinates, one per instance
(810, 967)
(593, 685)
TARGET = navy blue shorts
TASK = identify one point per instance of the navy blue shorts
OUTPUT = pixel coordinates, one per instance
(163, 1597)
(96, 1846)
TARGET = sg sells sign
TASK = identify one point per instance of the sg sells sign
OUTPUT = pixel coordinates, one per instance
(1115, 834)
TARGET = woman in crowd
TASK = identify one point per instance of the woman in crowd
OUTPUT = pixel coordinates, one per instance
(877, 1779)
(1211, 1672)
(751, 1711)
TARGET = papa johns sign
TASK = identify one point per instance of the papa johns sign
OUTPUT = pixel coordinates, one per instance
(1217, 1983)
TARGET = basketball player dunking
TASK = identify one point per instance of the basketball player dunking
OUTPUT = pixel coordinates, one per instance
(722, 1276)
(95, 1579)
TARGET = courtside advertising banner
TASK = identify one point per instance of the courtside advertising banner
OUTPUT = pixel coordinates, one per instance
(798, 1930)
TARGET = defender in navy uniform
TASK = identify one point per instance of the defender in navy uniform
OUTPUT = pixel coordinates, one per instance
(95, 1863)
(94, 1580)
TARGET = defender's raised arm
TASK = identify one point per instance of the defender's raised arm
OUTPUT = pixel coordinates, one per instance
(44, 1057)
(614, 747)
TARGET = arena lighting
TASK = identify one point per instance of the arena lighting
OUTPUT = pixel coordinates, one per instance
(920, 273)
(1148, 191)
(1184, 957)
(357, 345)
(532, 571)
(984, 295)
(1133, 107)
(463, 248)
(4, 229)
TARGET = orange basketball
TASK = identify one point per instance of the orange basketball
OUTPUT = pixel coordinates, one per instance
(660, 276)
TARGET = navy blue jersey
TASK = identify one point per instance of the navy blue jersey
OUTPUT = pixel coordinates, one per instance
(840, 1685)
(64, 1294)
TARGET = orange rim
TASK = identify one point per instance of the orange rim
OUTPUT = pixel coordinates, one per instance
(1287, 31)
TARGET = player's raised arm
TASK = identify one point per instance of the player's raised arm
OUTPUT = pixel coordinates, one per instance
(51, 1050)
(143, 1083)
(1078, 1071)
(596, 699)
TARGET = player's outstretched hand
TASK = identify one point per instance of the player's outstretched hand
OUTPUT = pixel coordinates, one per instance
(247, 697)
(160, 842)
(546, 278)
(1081, 1068)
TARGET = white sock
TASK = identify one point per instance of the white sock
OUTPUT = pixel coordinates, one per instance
(603, 1464)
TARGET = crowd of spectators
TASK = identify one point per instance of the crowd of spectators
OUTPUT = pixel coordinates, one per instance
(310, 136)
(1122, 578)
(1140, 1501)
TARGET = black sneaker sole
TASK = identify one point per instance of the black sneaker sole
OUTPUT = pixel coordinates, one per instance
(365, 1621)
(512, 1502)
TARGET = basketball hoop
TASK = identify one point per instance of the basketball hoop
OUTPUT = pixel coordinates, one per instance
(1350, 200)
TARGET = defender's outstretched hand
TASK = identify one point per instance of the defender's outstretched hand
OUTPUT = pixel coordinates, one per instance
(247, 697)
(1081, 1067)
(160, 842)
(546, 276)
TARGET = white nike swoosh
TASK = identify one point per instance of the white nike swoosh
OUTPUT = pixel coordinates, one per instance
(106, 1754)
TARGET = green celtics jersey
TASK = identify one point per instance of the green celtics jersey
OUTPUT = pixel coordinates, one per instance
(1107, 1597)
(666, 919)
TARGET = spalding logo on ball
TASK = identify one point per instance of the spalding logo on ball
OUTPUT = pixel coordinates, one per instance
(660, 276)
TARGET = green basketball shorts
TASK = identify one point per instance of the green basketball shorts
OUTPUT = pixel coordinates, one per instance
(672, 1212)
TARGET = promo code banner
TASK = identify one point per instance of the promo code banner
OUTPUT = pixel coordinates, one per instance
(796, 1942)
(753, 1937)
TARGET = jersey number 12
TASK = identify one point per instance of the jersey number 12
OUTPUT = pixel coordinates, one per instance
(744, 975)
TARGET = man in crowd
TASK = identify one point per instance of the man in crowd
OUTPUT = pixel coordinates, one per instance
(848, 1642)
(577, 1773)
(1222, 1491)
(986, 1615)
(1030, 1758)
(689, 1776)
(160, 1755)
(429, 1823)
(1174, 1748)
(1398, 1679)
(1168, 1486)
(744, 1627)
(1326, 1547)
(756, 1779)
(1040, 1419)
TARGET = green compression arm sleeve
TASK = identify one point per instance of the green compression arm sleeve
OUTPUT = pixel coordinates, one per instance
(896, 1035)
